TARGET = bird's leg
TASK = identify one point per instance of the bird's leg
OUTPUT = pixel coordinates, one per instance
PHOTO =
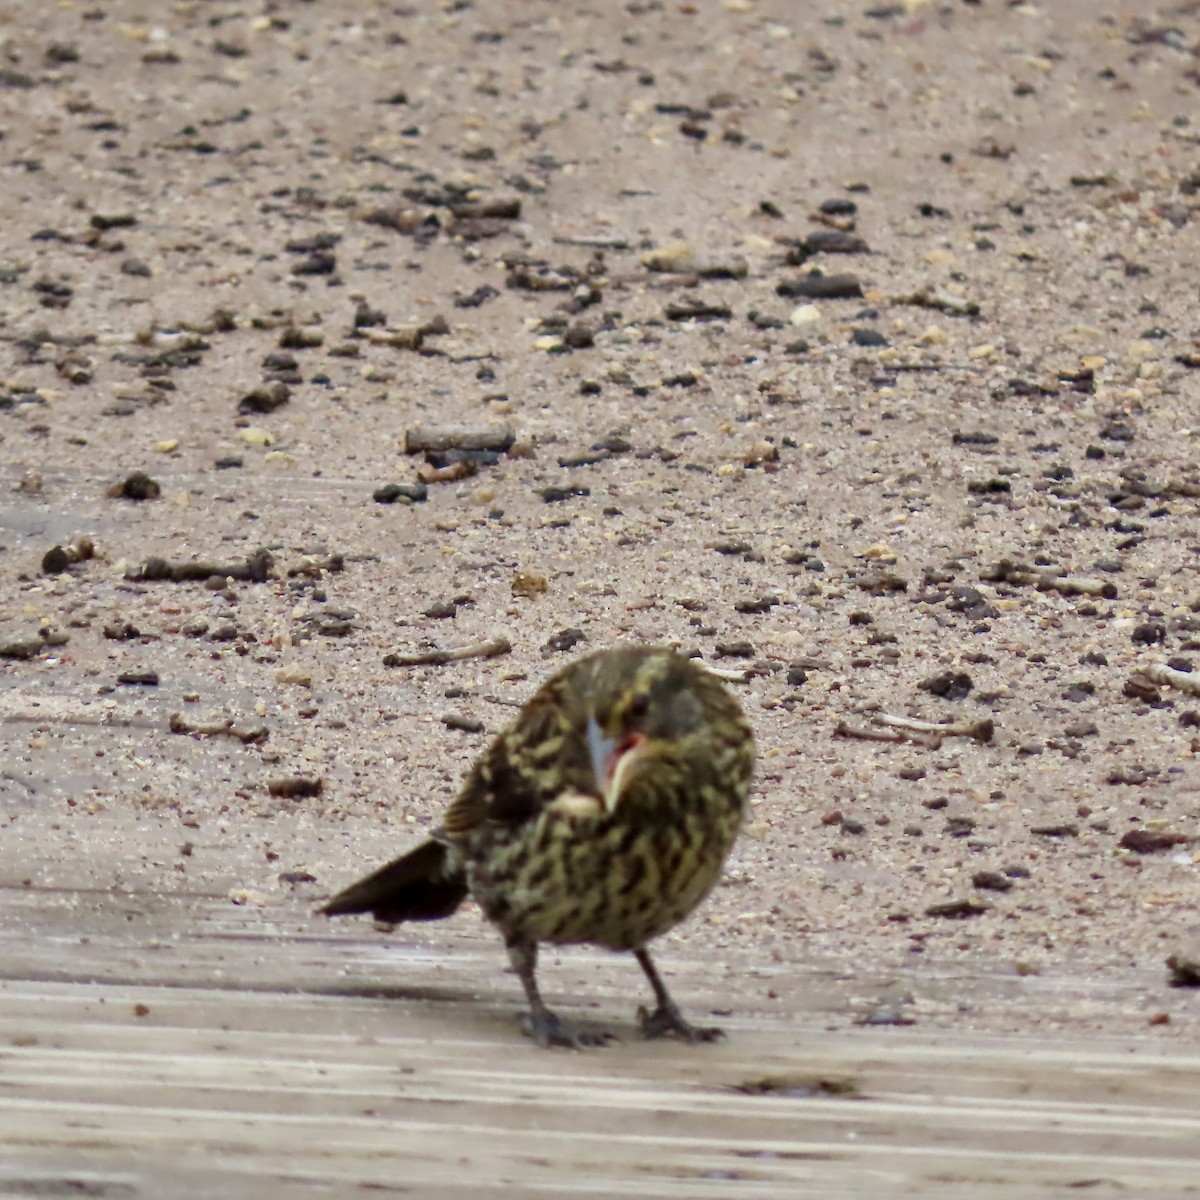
(540, 1023)
(666, 1019)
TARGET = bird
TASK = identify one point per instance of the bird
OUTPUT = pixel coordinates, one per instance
(603, 815)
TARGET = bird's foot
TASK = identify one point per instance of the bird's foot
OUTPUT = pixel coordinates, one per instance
(547, 1030)
(668, 1021)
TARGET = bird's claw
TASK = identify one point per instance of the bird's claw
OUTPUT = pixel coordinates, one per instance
(547, 1030)
(669, 1022)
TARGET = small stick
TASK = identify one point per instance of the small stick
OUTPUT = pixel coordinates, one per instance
(436, 437)
(1077, 585)
(728, 675)
(1184, 681)
(246, 733)
(255, 569)
(865, 734)
(439, 658)
(981, 731)
(1020, 575)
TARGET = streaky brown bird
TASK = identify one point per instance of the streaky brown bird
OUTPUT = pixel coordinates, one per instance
(603, 814)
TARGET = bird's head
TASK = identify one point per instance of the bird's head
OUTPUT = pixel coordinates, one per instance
(645, 707)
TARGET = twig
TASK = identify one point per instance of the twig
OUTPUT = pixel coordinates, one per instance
(729, 676)
(439, 658)
(1077, 585)
(863, 733)
(1020, 575)
(246, 733)
(255, 569)
(1184, 681)
(436, 437)
(592, 243)
(981, 731)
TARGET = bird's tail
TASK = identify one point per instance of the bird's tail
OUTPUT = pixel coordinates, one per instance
(423, 885)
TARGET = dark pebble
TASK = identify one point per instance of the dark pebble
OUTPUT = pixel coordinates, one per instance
(139, 678)
(734, 650)
(553, 494)
(265, 399)
(588, 459)
(763, 604)
(415, 493)
(55, 561)
(464, 724)
(1185, 970)
(765, 320)
(1134, 775)
(878, 582)
(481, 295)
(295, 787)
(950, 685)
(103, 221)
(281, 363)
(958, 910)
(323, 262)
(826, 241)
(1151, 841)
(614, 443)
(565, 639)
(366, 317)
(816, 286)
(991, 881)
(838, 207)
(861, 336)
(972, 602)
(138, 486)
(579, 336)
(1150, 633)
(696, 310)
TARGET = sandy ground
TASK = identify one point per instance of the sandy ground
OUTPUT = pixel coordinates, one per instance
(248, 249)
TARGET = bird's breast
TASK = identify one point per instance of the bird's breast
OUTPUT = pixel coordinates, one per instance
(577, 874)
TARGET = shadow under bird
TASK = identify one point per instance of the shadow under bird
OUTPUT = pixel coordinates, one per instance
(603, 814)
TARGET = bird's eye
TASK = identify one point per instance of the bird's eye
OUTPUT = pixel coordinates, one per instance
(639, 706)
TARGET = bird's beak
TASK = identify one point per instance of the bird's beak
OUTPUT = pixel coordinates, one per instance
(611, 761)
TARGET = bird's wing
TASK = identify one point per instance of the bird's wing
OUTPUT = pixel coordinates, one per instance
(527, 767)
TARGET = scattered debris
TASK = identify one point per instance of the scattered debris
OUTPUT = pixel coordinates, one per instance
(254, 569)
(295, 787)
(439, 658)
(250, 734)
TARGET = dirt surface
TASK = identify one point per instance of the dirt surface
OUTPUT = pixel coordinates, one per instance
(252, 251)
